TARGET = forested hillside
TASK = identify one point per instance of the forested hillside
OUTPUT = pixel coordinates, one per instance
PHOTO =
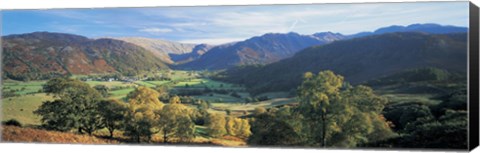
(359, 60)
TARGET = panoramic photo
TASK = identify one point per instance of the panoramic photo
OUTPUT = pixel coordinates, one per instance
(359, 75)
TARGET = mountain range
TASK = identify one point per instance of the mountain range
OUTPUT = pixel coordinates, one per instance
(273, 47)
(427, 28)
(359, 59)
(264, 49)
(40, 54)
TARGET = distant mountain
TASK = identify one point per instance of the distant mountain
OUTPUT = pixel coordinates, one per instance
(427, 28)
(263, 49)
(329, 36)
(161, 48)
(359, 60)
(196, 52)
(41, 55)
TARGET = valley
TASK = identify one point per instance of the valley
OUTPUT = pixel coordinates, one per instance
(222, 96)
(272, 89)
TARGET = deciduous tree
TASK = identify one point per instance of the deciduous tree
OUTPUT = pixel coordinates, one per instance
(76, 106)
(216, 125)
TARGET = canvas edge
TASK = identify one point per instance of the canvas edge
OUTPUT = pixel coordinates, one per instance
(473, 66)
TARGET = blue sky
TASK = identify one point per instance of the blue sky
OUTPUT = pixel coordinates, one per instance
(222, 24)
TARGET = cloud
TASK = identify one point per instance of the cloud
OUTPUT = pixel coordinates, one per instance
(222, 24)
(156, 30)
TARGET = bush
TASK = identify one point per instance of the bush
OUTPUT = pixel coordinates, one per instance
(12, 122)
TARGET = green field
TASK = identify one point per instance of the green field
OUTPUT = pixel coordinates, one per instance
(120, 94)
(202, 83)
(144, 83)
(251, 106)
(274, 95)
(158, 83)
(108, 84)
(421, 98)
(21, 108)
(219, 98)
(22, 87)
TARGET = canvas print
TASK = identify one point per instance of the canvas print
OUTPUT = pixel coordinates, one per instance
(359, 75)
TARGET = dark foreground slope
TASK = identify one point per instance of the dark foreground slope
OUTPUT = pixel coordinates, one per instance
(359, 60)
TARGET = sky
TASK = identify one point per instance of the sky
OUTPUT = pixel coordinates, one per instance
(223, 24)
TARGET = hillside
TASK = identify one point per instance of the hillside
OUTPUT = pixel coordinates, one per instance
(164, 49)
(263, 49)
(18, 134)
(41, 55)
(359, 60)
(426, 28)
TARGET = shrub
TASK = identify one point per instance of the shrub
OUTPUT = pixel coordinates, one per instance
(12, 122)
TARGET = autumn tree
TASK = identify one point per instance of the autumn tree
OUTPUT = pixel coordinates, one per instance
(334, 116)
(216, 125)
(141, 116)
(175, 100)
(175, 121)
(316, 94)
(244, 130)
(230, 126)
(259, 110)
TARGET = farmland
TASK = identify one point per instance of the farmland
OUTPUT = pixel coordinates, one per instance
(219, 94)
(29, 95)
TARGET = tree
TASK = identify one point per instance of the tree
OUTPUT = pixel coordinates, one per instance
(175, 121)
(144, 96)
(244, 130)
(402, 114)
(342, 117)
(76, 106)
(268, 130)
(449, 131)
(259, 110)
(112, 112)
(175, 100)
(141, 114)
(12, 122)
(102, 89)
(230, 126)
(316, 94)
(216, 125)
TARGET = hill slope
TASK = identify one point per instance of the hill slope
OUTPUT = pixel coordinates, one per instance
(18, 134)
(359, 60)
(263, 49)
(41, 55)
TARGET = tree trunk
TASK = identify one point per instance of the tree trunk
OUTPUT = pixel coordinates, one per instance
(165, 138)
(89, 131)
(111, 133)
(324, 131)
(80, 130)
